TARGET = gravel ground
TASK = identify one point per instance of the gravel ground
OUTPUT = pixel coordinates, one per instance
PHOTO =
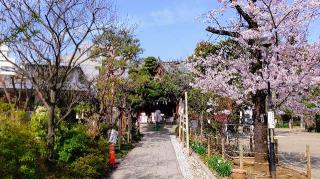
(292, 147)
(190, 166)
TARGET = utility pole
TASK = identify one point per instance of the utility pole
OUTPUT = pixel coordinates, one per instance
(271, 124)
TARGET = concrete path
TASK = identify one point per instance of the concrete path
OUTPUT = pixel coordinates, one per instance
(153, 157)
(292, 147)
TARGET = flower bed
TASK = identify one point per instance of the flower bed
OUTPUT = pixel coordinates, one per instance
(215, 162)
(198, 148)
(221, 166)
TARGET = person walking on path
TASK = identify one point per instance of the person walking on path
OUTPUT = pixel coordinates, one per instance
(158, 119)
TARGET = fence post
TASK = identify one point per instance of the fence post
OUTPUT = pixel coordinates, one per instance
(187, 121)
(251, 143)
(201, 127)
(209, 147)
(183, 133)
(241, 156)
(276, 146)
(180, 126)
(222, 147)
(308, 162)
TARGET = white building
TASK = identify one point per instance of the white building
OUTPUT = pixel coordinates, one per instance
(6, 68)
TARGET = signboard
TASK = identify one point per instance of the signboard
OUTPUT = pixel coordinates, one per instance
(181, 108)
(271, 121)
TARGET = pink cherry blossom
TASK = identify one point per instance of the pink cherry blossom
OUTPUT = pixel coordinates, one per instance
(290, 64)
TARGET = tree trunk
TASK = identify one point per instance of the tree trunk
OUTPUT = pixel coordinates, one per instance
(201, 127)
(129, 128)
(260, 132)
(121, 118)
(120, 132)
(111, 102)
(51, 126)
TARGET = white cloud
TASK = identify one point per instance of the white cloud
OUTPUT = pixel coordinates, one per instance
(169, 16)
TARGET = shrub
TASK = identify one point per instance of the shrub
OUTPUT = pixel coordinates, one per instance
(282, 125)
(19, 151)
(221, 166)
(91, 165)
(198, 148)
(20, 115)
(39, 123)
(6, 108)
(79, 154)
(73, 145)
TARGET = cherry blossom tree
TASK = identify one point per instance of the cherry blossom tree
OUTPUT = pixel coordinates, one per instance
(276, 66)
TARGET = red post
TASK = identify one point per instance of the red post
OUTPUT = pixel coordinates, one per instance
(112, 158)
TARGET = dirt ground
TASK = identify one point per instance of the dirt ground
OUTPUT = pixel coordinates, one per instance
(292, 147)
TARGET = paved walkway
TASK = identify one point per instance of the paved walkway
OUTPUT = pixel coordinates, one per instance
(153, 157)
(292, 147)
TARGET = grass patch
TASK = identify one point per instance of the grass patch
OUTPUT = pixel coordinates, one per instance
(198, 148)
(220, 165)
(215, 162)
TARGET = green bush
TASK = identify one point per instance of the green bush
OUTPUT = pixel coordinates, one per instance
(198, 148)
(20, 115)
(73, 145)
(91, 165)
(282, 125)
(5, 108)
(79, 154)
(39, 123)
(221, 166)
(19, 151)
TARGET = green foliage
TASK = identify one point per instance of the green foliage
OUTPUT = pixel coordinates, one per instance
(144, 88)
(19, 151)
(149, 66)
(282, 125)
(6, 108)
(91, 165)
(80, 154)
(221, 166)
(117, 47)
(20, 115)
(198, 148)
(175, 83)
(83, 107)
(197, 101)
(75, 144)
(39, 123)
(203, 49)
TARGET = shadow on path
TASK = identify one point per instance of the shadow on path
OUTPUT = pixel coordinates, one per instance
(153, 157)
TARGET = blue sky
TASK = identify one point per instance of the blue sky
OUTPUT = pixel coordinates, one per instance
(167, 28)
(170, 29)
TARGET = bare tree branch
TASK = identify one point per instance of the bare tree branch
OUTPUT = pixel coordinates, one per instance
(222, 32)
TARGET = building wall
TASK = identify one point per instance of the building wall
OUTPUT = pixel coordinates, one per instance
(6, 68)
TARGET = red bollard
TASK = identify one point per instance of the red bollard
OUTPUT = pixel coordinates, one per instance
(112, 158)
